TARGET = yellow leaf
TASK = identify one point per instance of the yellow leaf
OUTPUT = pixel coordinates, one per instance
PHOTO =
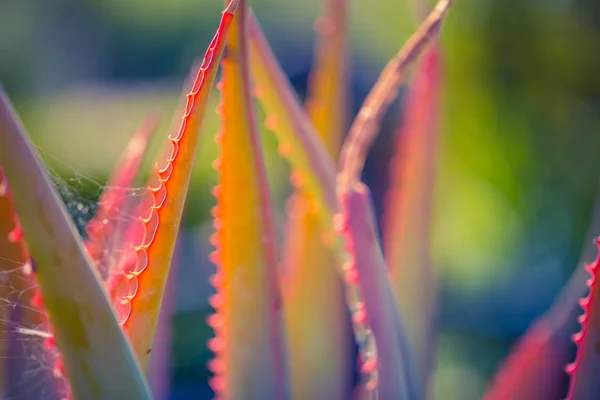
(317, 318)
(313, 168)
(249, 353)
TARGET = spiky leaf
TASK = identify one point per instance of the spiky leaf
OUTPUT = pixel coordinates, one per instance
(298, 140)
(397, 373)
(316, 315)
(249, 362)
(584, 370)
(98, 359)
(313, 167)
(139, 291)
(105, 232)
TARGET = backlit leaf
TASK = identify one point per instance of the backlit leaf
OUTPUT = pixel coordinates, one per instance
(584, 370)
(313, 167)
(250, 360)
(298, 140)
(138, 292)
(535, 367)
(397, 377)
(316, 315)
(16, 277)
(327, 103)
(105, 231)
(407, 219)
(98, 359)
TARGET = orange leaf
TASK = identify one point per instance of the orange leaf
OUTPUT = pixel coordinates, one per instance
(249, 352)
(139, 291)
(327, 103)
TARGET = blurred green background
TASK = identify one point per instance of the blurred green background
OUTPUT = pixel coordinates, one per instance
(518, 164)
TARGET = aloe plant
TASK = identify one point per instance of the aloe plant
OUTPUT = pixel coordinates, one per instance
(287, 320)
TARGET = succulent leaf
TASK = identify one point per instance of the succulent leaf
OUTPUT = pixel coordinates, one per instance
(353, 154)
(17, 276)
(407, 219)
(13, 255)
(82, 318)
(366, 124)
(104, 232)
(535, 367)
(250, 361)
(314, 168)
(316, 315)
(336, 282)
(397, 377)
(584, 370)
(161, 362)
(298, 140)
(327, 104)
(139, 291)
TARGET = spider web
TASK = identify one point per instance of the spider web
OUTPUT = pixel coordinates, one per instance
(29, 360)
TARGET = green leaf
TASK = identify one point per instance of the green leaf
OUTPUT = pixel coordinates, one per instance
(97, 357)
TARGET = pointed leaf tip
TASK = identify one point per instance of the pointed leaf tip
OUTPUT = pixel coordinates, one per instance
(327, 104)
(250, 360)
(366, 124)
(138, 292)
(315, 309)
(114, 200)
(83, 321)
(298, 140)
